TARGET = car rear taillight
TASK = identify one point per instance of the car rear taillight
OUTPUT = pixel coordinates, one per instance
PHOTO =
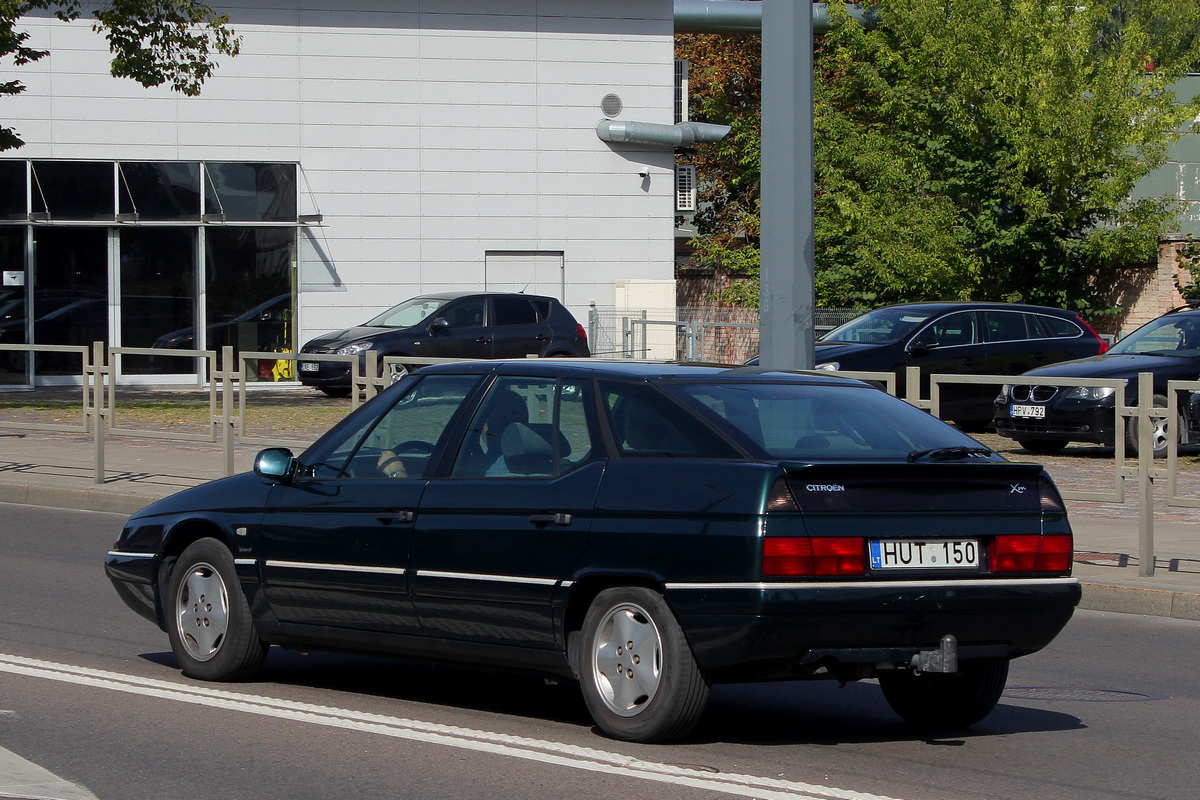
(1049, 497)
(1103, 344)
(580, 332)
(806, 556)
(781, 497)
(1032, 553)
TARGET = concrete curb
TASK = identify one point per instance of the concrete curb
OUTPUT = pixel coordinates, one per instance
(1136, 600)
(78, 499)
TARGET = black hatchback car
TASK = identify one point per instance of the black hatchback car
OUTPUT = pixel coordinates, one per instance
(647, 530)
(448, 325)
(1044, 418)
(958, 339)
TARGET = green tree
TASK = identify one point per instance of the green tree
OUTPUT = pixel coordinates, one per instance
(987, 149)
(154, 42)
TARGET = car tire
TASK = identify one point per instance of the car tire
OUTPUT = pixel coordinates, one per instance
(1160, 430)
(1042, 447)
(946, 702)
(397, 373)
(208, 619)
(336, 391)
(651, 692)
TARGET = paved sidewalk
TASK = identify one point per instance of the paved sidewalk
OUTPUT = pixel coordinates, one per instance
(56, 470)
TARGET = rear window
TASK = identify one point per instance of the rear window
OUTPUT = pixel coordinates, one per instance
(821, 423)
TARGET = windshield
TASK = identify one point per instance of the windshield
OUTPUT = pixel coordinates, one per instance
(882, 326)
(806, 422)
(1174, 335)
(409, 313)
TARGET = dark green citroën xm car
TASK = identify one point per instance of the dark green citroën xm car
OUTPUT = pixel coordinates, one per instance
(646, 529)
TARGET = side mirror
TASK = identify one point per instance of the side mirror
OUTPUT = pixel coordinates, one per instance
(275, 465)
(922, 345)
(438, 324)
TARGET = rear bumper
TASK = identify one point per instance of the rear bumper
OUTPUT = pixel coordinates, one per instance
(788, 631)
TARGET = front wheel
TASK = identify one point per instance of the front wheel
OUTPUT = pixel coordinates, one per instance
(1160, 431)
(639, 679)
(946, 702)
(208, 619)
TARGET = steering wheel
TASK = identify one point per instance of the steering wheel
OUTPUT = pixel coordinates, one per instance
(413, 446)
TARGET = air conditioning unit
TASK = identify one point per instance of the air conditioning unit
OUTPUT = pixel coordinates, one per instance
(685, 187)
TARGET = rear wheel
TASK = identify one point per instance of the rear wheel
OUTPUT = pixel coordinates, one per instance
(208, 619)
(946, 702)
(638, 676)
(1042, 447)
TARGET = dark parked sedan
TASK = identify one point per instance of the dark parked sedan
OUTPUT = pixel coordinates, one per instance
(958, 339)
(647, 530)
(448, 325)
(1043, 419)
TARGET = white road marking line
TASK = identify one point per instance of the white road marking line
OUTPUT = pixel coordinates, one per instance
(543, 751)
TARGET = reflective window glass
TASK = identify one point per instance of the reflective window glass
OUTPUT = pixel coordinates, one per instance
(251, 192)
(647, 425)
(74, 189)
(158, 297)
(400, 444)
(12, 190)
(1061, 328)
(529, 427)
(70, 298)
(513, 311)
(1010, 326)
(467, 313)
(249, 281)
(160, 190)
(955, 329)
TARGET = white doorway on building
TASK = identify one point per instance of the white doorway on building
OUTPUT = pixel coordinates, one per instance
(531, 272)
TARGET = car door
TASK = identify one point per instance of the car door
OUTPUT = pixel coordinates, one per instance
(498, 534)
(953, 344)
(460, 330)
(334, 544)
(517, 330)
(1018, 343)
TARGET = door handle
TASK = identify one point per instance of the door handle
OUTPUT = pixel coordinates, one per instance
(388, 517)
(483, 340)
(549, 519)
(969, 362)
(541, 337)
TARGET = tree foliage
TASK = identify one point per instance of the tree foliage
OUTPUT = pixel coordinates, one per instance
(985, 149)
(154, 42)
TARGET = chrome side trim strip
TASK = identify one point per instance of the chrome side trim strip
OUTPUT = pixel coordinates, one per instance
(123, 554)
(335, 567)
(245, 562)
(923, 584)
(469, 576)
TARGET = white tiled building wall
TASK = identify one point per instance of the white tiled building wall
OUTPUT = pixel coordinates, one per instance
(429, 132)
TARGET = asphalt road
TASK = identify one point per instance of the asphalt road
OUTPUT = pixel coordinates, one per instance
(89, 692)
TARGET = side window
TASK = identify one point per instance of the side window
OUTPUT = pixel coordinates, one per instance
(1061, 328)
(542, 308)
(529, 427)
(400, 442)
(956, 329)
(645, 424)
(1009, 326)
(513, 311)
(466, 313)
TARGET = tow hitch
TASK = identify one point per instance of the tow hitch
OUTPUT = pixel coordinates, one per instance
(944, 659)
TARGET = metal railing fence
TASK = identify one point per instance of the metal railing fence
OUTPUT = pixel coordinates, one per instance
(226, 420)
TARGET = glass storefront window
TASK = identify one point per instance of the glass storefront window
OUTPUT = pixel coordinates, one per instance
(160, 190)
(251, 192)
(158, 297)
(12, 190)
(70, 298)
(74, 189)
(249, 279)
(12, 306)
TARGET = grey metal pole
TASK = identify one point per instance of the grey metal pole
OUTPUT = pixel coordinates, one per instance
(1145, 437)
(786, 244)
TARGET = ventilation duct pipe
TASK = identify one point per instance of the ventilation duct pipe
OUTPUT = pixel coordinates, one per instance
(683, 134)
(741, 17)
